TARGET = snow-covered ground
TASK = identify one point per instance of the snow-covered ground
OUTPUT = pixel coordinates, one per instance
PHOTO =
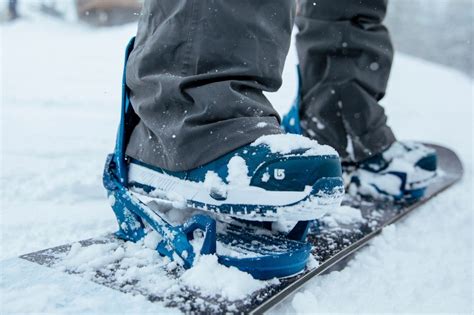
(60, 97)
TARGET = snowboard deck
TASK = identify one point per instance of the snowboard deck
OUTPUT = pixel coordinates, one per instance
(333, 246)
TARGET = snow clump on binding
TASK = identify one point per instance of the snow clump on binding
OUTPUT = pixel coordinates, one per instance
(403, 171)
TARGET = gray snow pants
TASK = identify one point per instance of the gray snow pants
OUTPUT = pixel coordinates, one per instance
(199, 69)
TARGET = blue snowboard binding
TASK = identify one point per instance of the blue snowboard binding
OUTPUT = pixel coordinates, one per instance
(402, 172)
(287, 185)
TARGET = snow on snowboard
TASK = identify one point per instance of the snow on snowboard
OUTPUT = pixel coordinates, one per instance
(136, 268)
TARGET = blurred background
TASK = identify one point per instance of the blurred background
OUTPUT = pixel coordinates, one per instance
(436, 30)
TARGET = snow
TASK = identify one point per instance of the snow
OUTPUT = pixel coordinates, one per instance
(60, 100)
(403, 157)
(400, 272)
(388, 183)
(284, 144)
(152, 239)
(139, 264)
(265, 177)
(343, 215)
(408, 150)
(29, 288)
(238, 172)
(91, 258)
(210, 277)
(350, 148)
(215, 184)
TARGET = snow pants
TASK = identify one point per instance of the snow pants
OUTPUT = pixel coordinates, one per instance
(199, 69)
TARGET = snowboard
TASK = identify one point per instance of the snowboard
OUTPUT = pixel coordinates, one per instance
(334, 242)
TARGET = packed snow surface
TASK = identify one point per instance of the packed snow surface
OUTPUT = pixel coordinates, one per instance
(60, 98)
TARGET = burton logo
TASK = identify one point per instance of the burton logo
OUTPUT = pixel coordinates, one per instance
(279, 174)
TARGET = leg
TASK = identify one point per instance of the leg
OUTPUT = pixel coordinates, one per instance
(197, 74)
(345, 55)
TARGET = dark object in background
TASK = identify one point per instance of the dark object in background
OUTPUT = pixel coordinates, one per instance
(95, 12)
(12, 10)
(108, 12)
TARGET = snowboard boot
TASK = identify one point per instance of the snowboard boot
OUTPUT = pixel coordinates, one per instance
(402, 172)
(276, 177)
